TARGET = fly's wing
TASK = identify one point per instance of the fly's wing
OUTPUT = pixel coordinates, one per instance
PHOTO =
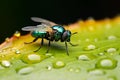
(42, 28)
(44, 21)
(29, 28)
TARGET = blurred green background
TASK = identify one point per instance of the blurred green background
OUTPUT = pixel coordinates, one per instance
(15, 14)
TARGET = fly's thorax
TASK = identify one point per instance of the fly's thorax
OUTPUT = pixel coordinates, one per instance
(66, 36)
(58, 31)
(57, 36)
(40, 34)
(58, 28)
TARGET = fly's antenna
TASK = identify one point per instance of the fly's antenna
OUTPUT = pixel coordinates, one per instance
(74, 33)
(70, 42)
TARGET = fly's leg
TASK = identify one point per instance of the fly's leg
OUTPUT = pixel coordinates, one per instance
(66, 48)
(40, 45)
(48, 47)
(32, 41)
(73, 44)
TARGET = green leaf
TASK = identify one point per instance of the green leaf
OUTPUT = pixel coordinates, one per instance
(96, 57)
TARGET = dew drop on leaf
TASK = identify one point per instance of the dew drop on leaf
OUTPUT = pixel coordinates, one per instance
(5, 63)
(49, 67)
(17, 34)
(96, 72)
(17, 51)
(77, 70)
(90, 47)
(106, 63)
(25, 70)
(33, 57)
(112, 37)
(87, 40)
(70, 69)
(7, 39)
(83, 57)
(58, 64)
(101, 54)
(111, 50)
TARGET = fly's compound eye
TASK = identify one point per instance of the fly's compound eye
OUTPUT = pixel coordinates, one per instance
(66, 36)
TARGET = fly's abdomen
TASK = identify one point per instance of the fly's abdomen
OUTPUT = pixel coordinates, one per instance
(40, 34)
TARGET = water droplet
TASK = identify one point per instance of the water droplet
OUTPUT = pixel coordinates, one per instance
(90, 47)
(112, 37)
(83, 57)
(101, 54)
(58, 64)
(48, 54)
(71, 69)
(111, 50)
(5, 63)
(7, 39)
(106, 63)
(49, 67)
(33, 57)
(25, 70)
(96, 72)
(77, 70)
(17, 34)
(17, 51)
(87, 40)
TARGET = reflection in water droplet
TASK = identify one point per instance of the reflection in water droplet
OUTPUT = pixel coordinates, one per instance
(5, 63)
(17, 34)
(25, 70)
(106, 63)
(83, 57)
(96, 72)
(58, 64)
(111, 50)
